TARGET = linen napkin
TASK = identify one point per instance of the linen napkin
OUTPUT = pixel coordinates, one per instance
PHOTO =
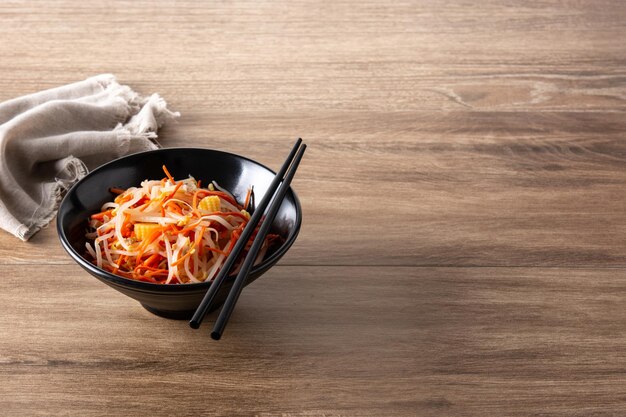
(51, 139)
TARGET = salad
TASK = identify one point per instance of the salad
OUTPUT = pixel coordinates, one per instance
(169, 231)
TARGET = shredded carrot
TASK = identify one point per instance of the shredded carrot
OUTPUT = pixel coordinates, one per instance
(174, 207)
(116, 190)
(123, 198)
(190, 252)
(210, 249)
(173, 193)
(119, 263)
(146, 242)
(100, 216)
(169, 176)
(152, 259)
(186, 230)
(127, 226)
(146, 253)
(194, 200)
(144, 205)
(247, 201)
(198, 240)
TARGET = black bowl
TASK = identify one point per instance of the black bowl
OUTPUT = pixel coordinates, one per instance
(232, 172)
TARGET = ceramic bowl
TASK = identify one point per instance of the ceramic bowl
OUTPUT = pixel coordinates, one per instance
(232, 172)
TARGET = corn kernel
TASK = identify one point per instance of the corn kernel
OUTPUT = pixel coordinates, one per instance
(246, 214)
(183, 221)
(210, 203)
(144, 230)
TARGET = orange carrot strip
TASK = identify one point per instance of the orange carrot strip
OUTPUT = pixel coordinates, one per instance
(120, 273)
(126, 226)
(151, 259)
(116, 190)
(144, 278)
(187, 229)
(166, 199)
(119, 263)
(149, 268)
(144, 205)
(100, 216)
(168, 174)
(248, 194)
(214, 250)
(185, 256)
(174, 207)
(194, 200)
(123, 198)
(198, 239)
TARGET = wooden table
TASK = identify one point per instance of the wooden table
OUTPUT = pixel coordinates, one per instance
(464, 235)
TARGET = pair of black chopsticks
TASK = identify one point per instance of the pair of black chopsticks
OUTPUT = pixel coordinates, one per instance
(275, 194)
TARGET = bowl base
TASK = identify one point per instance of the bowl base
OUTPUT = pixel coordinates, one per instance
(173, 315)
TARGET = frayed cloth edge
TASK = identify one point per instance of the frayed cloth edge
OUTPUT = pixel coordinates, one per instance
(73, 168)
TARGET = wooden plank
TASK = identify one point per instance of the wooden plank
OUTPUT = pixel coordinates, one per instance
(463, 188)
(310, 341)
(458, 152)
(495, 150)
(311, 56)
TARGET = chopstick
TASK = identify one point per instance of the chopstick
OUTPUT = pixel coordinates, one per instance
(209, 297)
(240, 281)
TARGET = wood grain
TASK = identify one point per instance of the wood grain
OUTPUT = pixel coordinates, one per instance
(459, 189)
(365, 341)
(462, 250)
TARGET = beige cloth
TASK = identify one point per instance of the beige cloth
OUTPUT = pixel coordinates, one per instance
(50, 139)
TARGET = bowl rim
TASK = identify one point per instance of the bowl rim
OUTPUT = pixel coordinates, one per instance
(177, 288)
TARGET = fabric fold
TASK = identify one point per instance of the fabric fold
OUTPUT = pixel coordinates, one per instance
(51, 139)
